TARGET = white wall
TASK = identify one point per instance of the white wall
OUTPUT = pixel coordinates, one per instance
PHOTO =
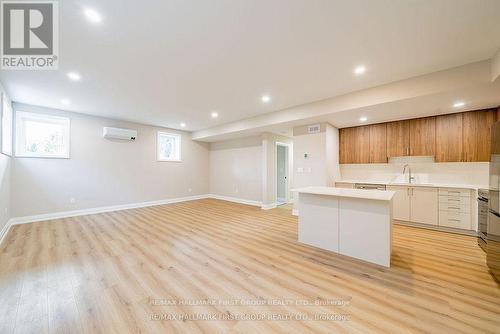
(236, 168)
(102, 172)
(5, 182)
(321, 167)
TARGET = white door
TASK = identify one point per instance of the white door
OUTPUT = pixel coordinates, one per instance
(400, 203)
(281, 173)
(424, 205)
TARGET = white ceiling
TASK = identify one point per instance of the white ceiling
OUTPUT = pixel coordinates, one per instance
(167, 62)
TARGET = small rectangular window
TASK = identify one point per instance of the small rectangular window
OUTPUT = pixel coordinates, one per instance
(41, 136)
(168, 147)
(6, 126)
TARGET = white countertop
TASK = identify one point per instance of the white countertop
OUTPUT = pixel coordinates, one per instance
(378, 195)
(434, 185)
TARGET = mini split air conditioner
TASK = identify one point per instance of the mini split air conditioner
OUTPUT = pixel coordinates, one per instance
(116, 133)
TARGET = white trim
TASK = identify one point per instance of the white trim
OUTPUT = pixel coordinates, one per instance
(235, 200)
(5, 230)
(268, 206)
(295, 212)
(83, 212)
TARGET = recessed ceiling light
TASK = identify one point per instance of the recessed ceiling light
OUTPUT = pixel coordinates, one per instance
(74, 76)
(266, 98)
(360, 70)
(92, 15)
(66, 102)
(459, 104)
(363, 119)
(183, 125)
(214, 114)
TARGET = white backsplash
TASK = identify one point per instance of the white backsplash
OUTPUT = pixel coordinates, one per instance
(424, 171)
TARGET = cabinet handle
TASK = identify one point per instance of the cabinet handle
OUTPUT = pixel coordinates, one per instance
(454, 200)
(407, 151)
(454, 208)
(453, 220)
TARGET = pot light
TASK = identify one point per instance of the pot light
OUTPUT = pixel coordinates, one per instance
(363, 119)
(266, 98)
(66, 102)
(360, 70)
(74, 76)
(214, 114)
(92, 15)
(183, 125)
(459, 104)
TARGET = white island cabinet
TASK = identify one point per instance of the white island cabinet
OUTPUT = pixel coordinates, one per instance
(351, 222)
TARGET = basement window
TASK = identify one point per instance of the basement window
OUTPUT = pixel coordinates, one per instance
(41, 136)
(168, 147)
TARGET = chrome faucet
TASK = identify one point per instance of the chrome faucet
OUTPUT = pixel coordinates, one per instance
(410, 177)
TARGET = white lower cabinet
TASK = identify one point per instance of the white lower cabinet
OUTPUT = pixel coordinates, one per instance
(424, 205)
(455, 208)
(400, 203)
(415, 204)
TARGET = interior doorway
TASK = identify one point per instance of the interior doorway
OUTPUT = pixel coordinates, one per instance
(282, 177)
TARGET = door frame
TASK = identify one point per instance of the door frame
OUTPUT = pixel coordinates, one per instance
(287, 172)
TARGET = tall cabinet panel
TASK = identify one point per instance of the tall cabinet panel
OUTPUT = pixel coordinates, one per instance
(477, 134)
(398, 139)
(449, 138)
(378, 143)
(423, 136)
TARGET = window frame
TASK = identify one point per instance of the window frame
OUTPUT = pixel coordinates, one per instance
(179, 145)
(21, 115)
(4, 100)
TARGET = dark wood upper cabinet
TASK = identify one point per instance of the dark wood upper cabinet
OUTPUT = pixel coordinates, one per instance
(423, 136)
(477, 134)
(355, 145)
(378, 143)
(398, 139)
(449, 138)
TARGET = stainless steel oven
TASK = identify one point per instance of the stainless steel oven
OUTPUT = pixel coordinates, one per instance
(482, 219)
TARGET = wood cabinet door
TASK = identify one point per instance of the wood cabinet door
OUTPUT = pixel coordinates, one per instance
(400, 203)
(378, 143)
(477, 134)
(398, 139)
(424, 208)
(449, 138)
(423, 136)
(355, 145)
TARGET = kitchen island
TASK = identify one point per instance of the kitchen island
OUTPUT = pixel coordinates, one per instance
(351, 222)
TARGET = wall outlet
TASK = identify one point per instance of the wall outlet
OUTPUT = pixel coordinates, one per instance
(190, 190)
(72, 200)
(300, 170)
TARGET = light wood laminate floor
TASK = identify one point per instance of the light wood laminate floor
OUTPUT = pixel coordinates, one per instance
(106, 273)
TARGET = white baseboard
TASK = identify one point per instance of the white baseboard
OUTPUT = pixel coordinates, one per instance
(235, 200)
(5, 230)
(295, 212)
(268, 206)
(83, 212)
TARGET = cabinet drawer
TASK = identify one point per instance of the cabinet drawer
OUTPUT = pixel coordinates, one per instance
(455, 220)
(450, 207)
(455, 200)
(454, 192)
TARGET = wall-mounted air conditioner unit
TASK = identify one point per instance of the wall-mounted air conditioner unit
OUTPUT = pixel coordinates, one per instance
(116, 133)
